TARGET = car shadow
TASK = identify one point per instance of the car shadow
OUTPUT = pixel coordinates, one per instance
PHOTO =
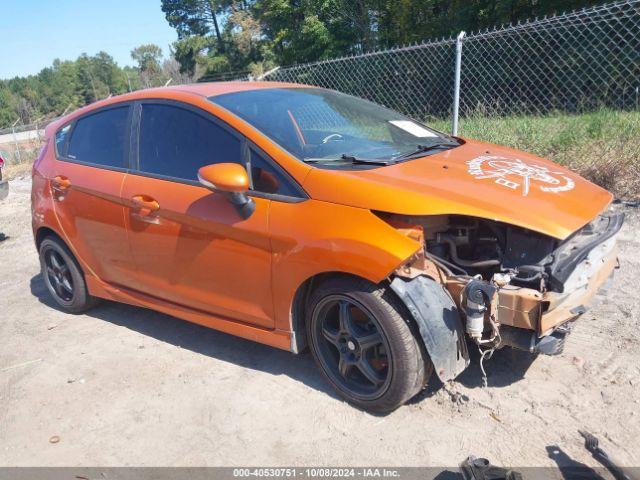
(505, 368)
(201, 340)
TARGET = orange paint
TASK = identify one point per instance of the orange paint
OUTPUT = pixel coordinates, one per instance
(226, 177)
(181, 249)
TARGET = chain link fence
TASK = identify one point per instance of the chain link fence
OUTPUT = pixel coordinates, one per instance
(572, 62)
(416, 80)
(566, 87)
(20, 145)
(226, 76)
(578, 62)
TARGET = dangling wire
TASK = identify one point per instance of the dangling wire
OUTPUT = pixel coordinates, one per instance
(488, 354)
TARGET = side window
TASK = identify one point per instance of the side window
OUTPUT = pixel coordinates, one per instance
(176, 142)
(100, 138)
(265, 178)
(62, 136)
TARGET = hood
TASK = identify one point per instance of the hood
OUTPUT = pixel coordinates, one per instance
(475, 179)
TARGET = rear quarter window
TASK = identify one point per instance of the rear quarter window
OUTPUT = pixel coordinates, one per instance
(100, 138)
(62, 137)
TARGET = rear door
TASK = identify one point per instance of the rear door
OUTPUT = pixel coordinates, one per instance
(189, 245)
(92, 155)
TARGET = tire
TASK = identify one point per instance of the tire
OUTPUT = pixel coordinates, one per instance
(345, 356)
(63, 277)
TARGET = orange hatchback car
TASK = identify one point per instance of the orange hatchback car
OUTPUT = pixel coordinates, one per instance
(302, 217)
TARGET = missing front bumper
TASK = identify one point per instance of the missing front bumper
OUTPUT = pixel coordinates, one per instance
(529, 309)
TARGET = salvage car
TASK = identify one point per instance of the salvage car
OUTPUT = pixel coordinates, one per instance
(301, 217)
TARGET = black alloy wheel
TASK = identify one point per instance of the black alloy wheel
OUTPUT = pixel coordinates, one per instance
(58, 276)
(63, 276)
(352, 347)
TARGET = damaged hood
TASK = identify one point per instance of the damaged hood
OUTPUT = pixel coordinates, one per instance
(475, 179)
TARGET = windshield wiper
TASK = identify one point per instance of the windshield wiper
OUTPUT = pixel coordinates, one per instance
(426, 148)
(353, 159)
(369, 161)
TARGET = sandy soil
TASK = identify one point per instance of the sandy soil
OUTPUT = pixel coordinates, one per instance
(127, 386)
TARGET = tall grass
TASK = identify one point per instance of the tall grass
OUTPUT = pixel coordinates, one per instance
(19, 157)
(603, 146)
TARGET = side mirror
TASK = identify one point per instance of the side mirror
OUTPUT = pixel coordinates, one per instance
(232, 181)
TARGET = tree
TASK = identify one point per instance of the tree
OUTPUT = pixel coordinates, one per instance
(218, 36)
(189, 53)
(148, 57)
(67, 85)
(196, 17)
(314, 29)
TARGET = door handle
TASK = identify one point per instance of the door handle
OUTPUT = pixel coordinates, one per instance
(145, 205)
(60, 183)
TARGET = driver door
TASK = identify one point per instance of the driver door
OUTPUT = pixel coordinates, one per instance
(189, 245)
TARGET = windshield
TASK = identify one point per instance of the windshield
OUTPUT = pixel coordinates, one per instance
(323, 126)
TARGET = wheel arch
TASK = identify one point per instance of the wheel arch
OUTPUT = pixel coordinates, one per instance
(299, 341)
(44, 232)
(429, 311)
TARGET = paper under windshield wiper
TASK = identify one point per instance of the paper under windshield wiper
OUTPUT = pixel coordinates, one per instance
(426, 148)
(352, 159)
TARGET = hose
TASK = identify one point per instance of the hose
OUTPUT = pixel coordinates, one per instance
(453, 250)
(445, 265)
(536, 270)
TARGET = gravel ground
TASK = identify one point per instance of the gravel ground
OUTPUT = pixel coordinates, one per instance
(127, 386)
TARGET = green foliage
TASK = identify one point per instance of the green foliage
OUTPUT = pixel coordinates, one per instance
(67, 85)
(218, 36)
(254, 33)
(189, 51)
(148, 57)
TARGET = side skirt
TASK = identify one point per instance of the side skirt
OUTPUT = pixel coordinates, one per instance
(274, 338)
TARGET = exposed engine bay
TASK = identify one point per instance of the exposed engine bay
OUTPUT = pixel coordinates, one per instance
(471, 246)
(512, 286)
(478, 247)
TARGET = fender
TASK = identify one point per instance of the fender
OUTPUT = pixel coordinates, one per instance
(438, 321)
(309, 238)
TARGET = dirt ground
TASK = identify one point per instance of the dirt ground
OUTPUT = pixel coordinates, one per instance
(123, 386)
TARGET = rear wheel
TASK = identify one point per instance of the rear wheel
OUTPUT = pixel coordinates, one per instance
(63, 277)
(361, 339)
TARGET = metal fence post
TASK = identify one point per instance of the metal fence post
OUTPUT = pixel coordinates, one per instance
(266, 74)
(15, 141)
(456, 85)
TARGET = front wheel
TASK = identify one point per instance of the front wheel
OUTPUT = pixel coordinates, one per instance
(361, 338)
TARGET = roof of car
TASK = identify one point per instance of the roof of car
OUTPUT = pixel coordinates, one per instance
(208, 89)
(211, 89)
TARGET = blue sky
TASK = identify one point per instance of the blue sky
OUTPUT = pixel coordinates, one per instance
(35, 32)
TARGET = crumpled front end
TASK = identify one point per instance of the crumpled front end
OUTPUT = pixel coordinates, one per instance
(511, 286)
